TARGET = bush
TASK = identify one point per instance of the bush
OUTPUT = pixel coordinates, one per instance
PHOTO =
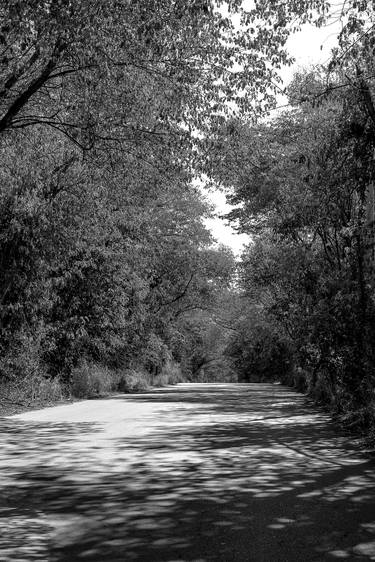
(21, 358)
(23, 377)
(298, 378)
(48, 390)
(133, 381)
(35, 389)
(89, 380)
(260, 354)
(170, 374)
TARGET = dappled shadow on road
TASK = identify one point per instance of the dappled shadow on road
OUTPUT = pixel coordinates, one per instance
(226, 472)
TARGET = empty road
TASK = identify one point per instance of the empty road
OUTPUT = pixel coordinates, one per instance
(197, 472)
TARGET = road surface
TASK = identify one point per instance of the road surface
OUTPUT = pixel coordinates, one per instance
(202, 472)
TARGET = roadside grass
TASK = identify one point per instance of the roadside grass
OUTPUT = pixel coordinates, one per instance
(170, 374)
(88, 380)
(352, 418)
(29, 392)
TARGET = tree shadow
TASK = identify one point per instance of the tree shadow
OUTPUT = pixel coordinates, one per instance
(225, 472)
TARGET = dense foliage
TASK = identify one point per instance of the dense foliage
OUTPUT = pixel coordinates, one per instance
(109, 111)
(97, 264)
(304, 192)
(106, 114)
(104, 111)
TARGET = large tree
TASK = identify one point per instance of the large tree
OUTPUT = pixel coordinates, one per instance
(300, 184)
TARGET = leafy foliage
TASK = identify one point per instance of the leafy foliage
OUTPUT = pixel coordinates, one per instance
(99, 266)
(302, 193)
(108, 111)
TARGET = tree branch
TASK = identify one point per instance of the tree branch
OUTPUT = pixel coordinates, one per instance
(34, 86)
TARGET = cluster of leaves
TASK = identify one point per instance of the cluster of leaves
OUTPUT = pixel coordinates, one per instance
(193, 62)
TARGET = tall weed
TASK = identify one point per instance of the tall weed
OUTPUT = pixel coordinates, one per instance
(89, 380)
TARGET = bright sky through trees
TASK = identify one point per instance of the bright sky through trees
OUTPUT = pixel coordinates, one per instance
(311, 46)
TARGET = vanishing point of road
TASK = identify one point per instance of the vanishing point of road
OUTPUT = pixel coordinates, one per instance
(195, 473)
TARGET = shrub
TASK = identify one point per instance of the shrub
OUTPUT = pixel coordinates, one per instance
(48, 390)
(260, 354)
(89, 380)
(170, 374)
(298, 378)
(133, 381)
(23, 377)
(34, 389)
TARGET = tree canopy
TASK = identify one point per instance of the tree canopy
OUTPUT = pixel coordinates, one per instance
(108, 113)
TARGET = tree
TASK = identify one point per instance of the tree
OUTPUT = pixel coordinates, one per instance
(300, 186)
(188, 59)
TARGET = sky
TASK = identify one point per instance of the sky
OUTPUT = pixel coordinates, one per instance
(311, 46)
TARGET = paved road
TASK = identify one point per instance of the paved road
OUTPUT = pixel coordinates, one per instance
(191, 473)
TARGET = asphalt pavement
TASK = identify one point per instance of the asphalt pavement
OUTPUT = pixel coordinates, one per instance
(192, 473)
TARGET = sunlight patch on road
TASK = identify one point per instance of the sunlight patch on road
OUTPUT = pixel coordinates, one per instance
(365, 549)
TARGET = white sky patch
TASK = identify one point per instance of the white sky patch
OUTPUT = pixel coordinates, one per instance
(223, 232)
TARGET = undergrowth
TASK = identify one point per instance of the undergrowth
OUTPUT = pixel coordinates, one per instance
(89, 379)
(35, 389)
